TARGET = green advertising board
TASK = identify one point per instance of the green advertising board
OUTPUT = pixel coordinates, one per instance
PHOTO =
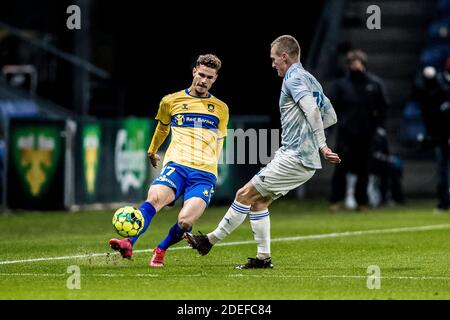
(111, 160)
(131, 164)
(110, 163)
(91, 135)
(35, 175)
(88, 148)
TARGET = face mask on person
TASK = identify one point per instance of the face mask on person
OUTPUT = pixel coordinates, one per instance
(356, 74)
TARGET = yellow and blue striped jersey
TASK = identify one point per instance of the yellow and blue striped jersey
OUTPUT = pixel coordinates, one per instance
(197, 123)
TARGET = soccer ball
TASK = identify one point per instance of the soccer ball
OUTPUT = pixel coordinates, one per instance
(128, 221)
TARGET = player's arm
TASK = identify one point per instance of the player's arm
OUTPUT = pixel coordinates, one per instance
(309, 107)
(160, 135)
(329, 114)
(383, 105)
(161, 132)
(303, 97)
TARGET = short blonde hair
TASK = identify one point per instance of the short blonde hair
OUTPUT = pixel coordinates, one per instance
(210, 61)
(288, 44)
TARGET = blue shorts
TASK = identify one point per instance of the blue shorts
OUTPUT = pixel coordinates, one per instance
(187, 181)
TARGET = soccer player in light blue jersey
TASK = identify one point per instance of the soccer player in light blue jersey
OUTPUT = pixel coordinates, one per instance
(305, 113)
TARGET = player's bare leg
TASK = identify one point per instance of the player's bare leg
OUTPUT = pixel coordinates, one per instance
(160, 196)
(192, 210)
(248, 195)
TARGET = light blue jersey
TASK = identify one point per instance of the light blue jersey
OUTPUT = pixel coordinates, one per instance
(297, 138)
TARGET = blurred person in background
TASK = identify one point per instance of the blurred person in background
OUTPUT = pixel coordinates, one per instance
(360, 101)
(432, 92)
(386, 172)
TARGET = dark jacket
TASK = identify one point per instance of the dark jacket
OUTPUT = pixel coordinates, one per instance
(360, 102)
(433, 97)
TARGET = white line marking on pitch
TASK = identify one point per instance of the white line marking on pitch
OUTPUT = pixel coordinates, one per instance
(298, 238)
(343, 276)
(239, 275)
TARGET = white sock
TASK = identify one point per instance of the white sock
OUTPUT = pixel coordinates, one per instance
(260, 222)
(233, 218)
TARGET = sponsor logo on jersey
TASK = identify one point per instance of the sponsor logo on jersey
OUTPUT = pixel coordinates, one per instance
(195, 120)
(179, 119)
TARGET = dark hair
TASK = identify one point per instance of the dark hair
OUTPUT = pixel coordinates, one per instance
(210, 61)
(357, 55)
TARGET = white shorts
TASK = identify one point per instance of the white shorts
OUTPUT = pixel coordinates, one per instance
(281, 175)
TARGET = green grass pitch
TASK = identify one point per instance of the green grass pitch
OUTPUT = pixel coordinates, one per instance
(316, 255)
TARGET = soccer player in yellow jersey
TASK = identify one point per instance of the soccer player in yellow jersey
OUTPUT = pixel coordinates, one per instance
(198, 122)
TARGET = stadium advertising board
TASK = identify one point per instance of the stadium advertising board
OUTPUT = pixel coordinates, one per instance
(111, 160)
(88, 161)
(130, 157)
(36, 164)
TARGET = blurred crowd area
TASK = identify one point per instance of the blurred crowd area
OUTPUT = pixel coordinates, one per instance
(110, 69)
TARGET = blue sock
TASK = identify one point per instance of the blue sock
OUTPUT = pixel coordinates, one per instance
(174, 236)
(148, 211)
